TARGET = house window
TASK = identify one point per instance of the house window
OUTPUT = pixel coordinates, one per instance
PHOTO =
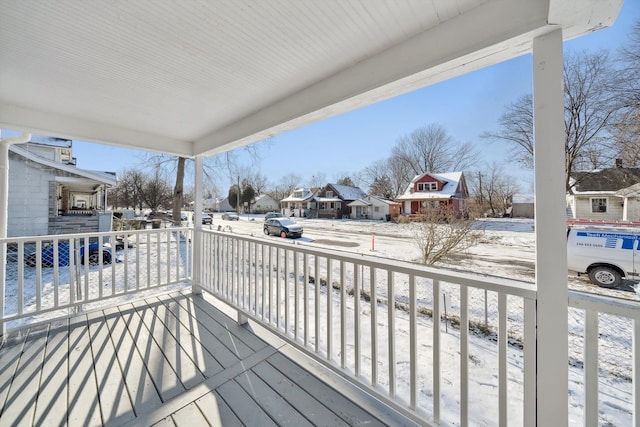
(329, 194)
(376, 208)
(427, 186)
(599, 205)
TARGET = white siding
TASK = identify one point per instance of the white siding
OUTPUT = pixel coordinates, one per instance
(28, 198)
(583, 208)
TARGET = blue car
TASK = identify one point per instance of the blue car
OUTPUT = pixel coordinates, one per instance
(63, 255)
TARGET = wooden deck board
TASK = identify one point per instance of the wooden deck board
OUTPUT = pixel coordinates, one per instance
(164, 377)
(83, 390)
(187, 372)
(52, 397)
(171, 360)
(21, 399)
(217, 412)
(112, 391)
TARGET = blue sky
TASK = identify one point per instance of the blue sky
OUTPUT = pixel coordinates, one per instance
(466, 106)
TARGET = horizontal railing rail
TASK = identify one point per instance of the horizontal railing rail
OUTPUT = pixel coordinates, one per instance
(46, 274)
(409, 334)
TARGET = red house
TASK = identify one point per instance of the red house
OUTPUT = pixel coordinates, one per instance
(431, 191)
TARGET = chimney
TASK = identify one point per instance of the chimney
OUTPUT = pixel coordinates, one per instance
(618, 163)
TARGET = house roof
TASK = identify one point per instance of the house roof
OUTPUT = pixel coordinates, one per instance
(265, 197)
(604, 180)
(360, 202)
(346, 192)
(199, 78)
(307, 194)
(107, 178)
(450, 180)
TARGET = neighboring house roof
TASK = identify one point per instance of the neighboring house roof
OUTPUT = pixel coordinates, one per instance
(346, 192)
(360, 202)
(50, 141)
(108, 178)
(265, 199)
(450, 180)
(367, 201)
(604, 180)
(307, 194)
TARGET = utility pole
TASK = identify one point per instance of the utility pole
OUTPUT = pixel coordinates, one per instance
(238, 201)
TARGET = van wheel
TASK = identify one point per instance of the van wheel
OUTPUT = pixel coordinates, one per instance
(606, 277)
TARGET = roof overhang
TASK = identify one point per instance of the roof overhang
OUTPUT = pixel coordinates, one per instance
(198, 78)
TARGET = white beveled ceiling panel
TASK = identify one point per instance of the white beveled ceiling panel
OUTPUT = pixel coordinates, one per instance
(196, 77)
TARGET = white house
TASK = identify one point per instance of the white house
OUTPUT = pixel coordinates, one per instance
(49, 195)
(299, 202)
(374, 207)
(265, 203)
(606, 195)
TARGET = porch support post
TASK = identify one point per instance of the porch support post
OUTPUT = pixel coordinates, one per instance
(551, 230)
(4, 213)
(196, 279)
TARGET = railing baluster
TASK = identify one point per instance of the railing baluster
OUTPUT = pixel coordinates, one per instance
(391, 332)
(21, 277)
(329, 310)
(437, 315)
(264, 282)
(530, 366)
(305, 300)
(591, 334)
(286, 292)
(343, 316)
(87, 265)
(296, 292)
(356, 315)
(464, 355)
(38, 277)
(56, 275)
(373, 303)
(270, 288)
(635, 351)
(502, 358)
(278, 296)
(168, 233)
(316, 300)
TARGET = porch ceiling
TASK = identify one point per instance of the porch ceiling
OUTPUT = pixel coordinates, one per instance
(194, 78)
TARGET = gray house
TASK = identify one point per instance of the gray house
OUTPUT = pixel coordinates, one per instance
(606, 195)
(48, 194)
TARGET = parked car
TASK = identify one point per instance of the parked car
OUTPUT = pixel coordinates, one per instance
(270, 215)
(64, 256)
(606, 254)
(206, 218)
(229, 216)
(282, 227)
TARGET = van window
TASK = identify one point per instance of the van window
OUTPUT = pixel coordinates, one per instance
(598, 205)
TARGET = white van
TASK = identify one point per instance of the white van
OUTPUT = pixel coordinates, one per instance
(606, 254)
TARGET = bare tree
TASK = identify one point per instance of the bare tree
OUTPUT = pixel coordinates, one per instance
(492, 189)
(443, 232)
(431, 149)
(590, 111)
(157, 191)
(318, 179)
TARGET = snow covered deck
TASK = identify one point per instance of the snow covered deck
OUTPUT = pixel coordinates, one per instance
(174, 358)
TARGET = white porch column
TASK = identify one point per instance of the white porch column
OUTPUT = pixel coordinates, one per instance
(197, 224)
(4, 212)
(551, 231)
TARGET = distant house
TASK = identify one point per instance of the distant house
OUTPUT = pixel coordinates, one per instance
(48, 194)
(333, 200)
(264, 203)
(299, 203)
(607, 194)
(224, 206)
(435, 191)
(522, 206)
(373, 207)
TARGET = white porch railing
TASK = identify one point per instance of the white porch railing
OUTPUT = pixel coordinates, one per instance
(47, 274)
(484, 343)
(393, 348)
